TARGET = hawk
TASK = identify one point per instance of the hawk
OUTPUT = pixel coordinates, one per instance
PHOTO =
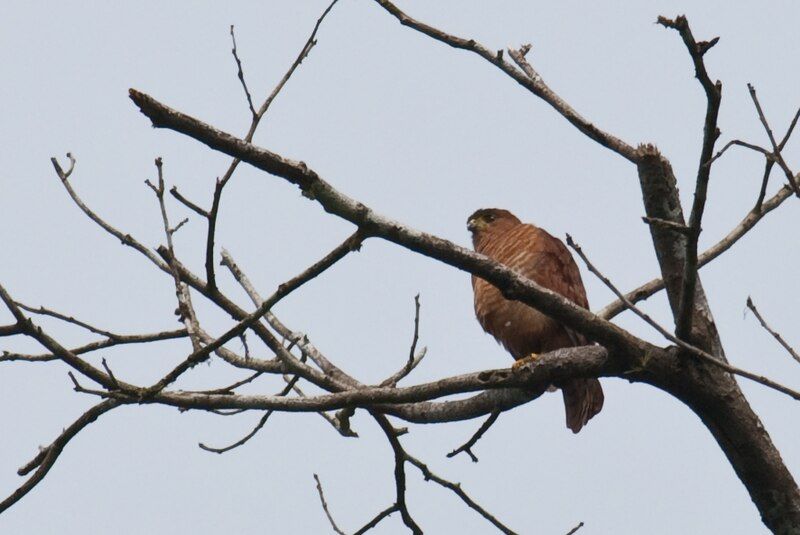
(523, 330)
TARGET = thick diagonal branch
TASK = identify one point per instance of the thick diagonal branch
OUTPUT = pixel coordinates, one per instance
(373, 224)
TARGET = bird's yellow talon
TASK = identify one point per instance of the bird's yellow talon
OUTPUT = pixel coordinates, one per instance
(524, 361)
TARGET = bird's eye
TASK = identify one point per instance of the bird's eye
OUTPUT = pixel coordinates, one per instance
(489, 217)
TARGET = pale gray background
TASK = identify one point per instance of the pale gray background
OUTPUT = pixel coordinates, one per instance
(425, 134)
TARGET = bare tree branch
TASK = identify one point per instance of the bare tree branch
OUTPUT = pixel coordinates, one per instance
(117, 339)
(302, 342)
(745, 225)
(376, 520)
(240, 74)
(185, 307)
(713, 92)
(63, 317)
(575, 529)
(373, 224)
(513, 285)
(671, 225)
(341, 421)
(738, 143)
(340, 426)
(776, 150)
(414, 358)
(400, 458)
(187, 312)
(456, 488)
(407, 368)
(126, 239)
(256, 429)
(770, 162)
(37, 333)
(707, 357)
(771, 331)
(331, 379)
(48, 455)
(509, 388)
(467, 446)
(9, 330)
(350, 244)
(256, 119)
(532, 83)
(325, 507)
(229, 389)
(187, 203)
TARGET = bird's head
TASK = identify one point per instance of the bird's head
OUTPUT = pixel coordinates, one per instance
(490, 220)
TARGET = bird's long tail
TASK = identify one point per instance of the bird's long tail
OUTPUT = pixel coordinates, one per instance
(583, 398)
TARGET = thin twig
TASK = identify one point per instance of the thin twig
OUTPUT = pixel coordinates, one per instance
(400, 458)
(342, 426)
(575, 529)
(126, 239)
(775, 334)
(107, 368)
(467, 446)
(671, 225)
(187, 203)
(42, 311)
(177, 227)
(257, 116)
(185, 307)
(48, 455)
(456, 488)
(414, 339)
(534, 84)
(738, 143)
(769, 163)
(118, 339)
(325, 507)
(376, 520)
(406, 369)
(776, 150)
(230, 388)
(413, 358)
(261, 422)
(223, 412)
(240, 73)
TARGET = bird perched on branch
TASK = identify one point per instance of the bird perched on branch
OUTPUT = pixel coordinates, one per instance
(521, 329)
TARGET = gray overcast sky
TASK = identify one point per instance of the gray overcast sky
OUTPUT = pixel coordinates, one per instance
(422, 133)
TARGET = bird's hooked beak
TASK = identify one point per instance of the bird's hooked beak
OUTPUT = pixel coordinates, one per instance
(475, 224)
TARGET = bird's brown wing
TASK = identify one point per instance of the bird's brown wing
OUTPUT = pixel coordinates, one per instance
(555, 269)
(551, 265)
